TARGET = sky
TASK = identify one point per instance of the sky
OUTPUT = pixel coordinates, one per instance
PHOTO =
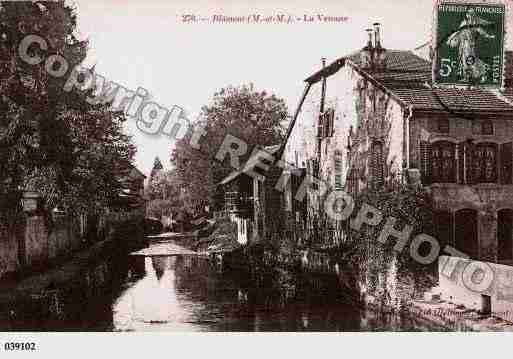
(146, 44)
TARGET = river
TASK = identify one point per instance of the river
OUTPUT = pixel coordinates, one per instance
(187, 293)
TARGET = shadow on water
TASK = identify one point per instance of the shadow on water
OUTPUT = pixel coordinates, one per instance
(189, 293)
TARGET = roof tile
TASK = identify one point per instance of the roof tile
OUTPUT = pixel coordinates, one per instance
(408, 77)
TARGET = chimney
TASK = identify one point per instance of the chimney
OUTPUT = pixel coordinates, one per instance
(369, 42)
(379, 55)
(367, 52)
(377, 39)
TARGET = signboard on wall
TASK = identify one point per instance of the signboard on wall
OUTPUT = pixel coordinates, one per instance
(469, 48)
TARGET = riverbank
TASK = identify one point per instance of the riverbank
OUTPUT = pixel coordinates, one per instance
(40, 297)
(286, 273)
(105, 288)
(36, 283)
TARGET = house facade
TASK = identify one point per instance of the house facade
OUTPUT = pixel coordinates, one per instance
(373, 118)
(254, 201)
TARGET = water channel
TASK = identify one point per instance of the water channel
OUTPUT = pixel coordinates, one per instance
(188, 293)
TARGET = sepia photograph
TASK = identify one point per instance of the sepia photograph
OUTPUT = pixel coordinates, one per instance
(335, 167)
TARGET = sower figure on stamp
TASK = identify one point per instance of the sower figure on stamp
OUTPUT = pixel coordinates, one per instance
(470, 66)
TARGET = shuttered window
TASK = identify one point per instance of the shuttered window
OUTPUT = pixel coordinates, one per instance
(443, 164)
(425, 166)
(506, 156)
(461, 163)
(377, 164)
(338, 170)
(487, 127)
(483, 168)
(352, 180)
(327, 123)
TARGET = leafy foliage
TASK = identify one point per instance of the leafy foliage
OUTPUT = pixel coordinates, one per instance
(370, 258)
(165, 195)
(51, 140)
(252, 116)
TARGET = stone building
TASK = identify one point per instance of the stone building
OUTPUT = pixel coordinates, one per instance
(373, 118)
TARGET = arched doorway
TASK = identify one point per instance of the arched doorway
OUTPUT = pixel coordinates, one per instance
(444, 228)
(505, 234)
(465, 232)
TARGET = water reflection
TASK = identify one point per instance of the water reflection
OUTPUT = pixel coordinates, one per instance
(187, 293)
(153, 302)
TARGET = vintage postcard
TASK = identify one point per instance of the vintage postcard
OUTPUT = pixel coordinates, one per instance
(255, 166)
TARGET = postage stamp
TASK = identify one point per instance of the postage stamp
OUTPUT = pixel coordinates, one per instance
(470, 44)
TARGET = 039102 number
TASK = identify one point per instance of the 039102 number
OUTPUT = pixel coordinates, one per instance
(12, 346)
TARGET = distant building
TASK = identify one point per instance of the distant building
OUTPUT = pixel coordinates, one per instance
(132, 182)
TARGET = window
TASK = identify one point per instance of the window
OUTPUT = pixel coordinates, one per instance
(338, 170)
(425, 168)
(484, 127)
(483, 166)
(314, 172)
(443, 125)
(443, 165)
(505, 234)
(460, 150)
(487, 127)
(476, 128)
(327, 123)
(353, 182)
(506, 163)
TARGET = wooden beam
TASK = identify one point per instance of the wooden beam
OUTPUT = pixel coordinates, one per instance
(293, 121)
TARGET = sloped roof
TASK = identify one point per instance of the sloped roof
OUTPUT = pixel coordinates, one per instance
(453, 99)
(236, 173)
(407, 77)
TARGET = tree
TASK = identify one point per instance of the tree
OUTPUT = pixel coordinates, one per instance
(252, 116)
(52, 140)
(165, 196)
(154, 188)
